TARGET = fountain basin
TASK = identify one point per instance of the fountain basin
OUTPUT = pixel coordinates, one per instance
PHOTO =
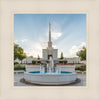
(50, 78)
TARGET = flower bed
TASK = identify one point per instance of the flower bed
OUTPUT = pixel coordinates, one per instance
(64, 64)
(35, 64)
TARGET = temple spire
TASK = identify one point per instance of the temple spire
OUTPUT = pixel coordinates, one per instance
(49, 32)
(49, 42)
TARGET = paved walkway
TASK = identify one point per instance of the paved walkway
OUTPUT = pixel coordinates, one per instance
(19, 76)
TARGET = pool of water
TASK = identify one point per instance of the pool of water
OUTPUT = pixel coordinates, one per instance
(38, 72)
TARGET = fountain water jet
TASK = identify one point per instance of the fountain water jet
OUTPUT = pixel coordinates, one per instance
(50, 68)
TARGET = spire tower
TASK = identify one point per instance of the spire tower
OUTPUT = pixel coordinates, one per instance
(50, 51)
(49, 32)
(49, 42)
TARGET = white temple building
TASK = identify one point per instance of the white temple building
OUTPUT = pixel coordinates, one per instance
(50, 51)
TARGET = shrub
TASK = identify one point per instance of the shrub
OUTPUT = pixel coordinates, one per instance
(60, 61)
(16, 63)
(81, 68)
(19, 67)
(38, 61)
(47, 61)
(65, 62)
(77, 68)
(15, 66)
(33, 62)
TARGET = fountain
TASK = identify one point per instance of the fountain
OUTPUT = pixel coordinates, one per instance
(51, 76)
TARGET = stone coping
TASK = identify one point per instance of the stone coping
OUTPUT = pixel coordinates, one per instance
(50, 74)
(37, 84)
(56, 64)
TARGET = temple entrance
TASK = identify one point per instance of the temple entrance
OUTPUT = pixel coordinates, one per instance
(49, 56)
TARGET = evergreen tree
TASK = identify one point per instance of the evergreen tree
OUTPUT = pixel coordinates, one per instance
(38, 57)
(61, 57)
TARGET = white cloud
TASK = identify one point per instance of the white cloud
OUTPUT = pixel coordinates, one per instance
(21, 41)
(16, 41)
(55, 35)
(34, 50)
(44, 45)
(54, 46)
(75, 49)
(24, 40)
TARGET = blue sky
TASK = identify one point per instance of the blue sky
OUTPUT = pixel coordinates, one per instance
(68, 32)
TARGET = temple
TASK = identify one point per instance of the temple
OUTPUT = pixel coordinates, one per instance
(50, 51)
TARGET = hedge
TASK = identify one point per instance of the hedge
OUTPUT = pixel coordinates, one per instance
(81, 68)
(19, 67)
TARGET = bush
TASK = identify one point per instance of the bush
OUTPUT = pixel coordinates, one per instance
(47, 61)
(38, 61)
(81, 68)
(18, 67)
(16, 63)
(60, 61)
(33, 62)
(77, 68)
(65, 62)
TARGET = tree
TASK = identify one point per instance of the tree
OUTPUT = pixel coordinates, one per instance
(16, 52)
(61, 57)
(19, 52)
(22, 56)
(82, 53)
(38, 57)
(30, 57)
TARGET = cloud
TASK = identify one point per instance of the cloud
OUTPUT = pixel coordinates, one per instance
(16, 41)
(75, 49)
(54, 46)
(55, 35)
(21, 41)
(24, 40)
(34, 50)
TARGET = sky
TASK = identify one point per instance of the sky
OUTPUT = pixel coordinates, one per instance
(68, 33)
